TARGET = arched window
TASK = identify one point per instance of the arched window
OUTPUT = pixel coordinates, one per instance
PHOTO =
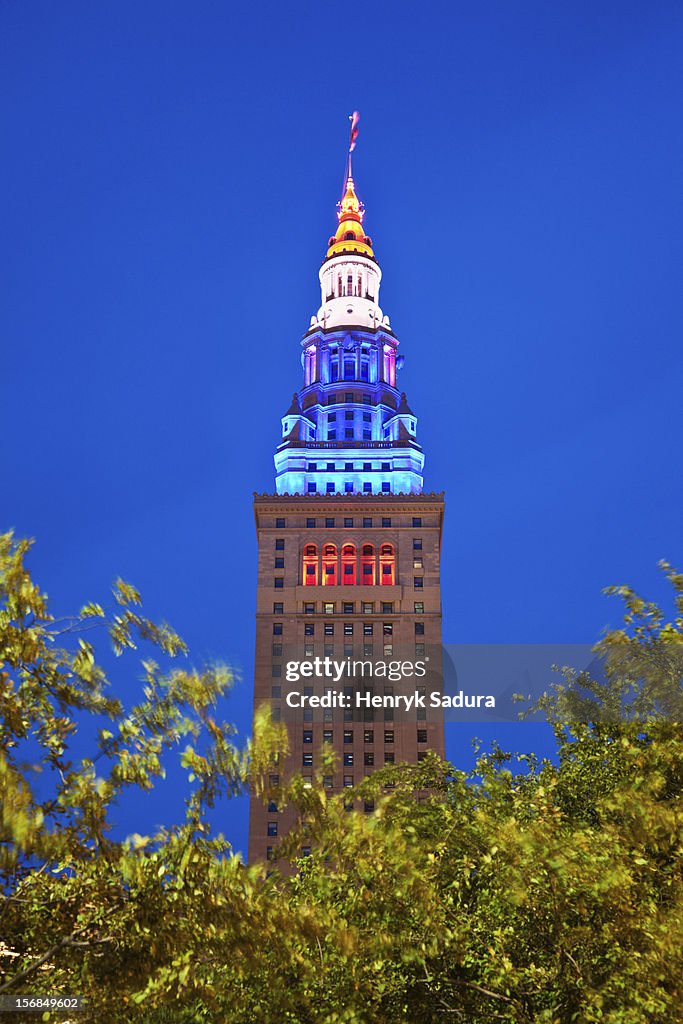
(310, 567)
(367, 565)
(387, 565)
(330, 569)
(339, 284)
(348, 564)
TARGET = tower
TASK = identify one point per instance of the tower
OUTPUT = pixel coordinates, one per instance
(349, 545)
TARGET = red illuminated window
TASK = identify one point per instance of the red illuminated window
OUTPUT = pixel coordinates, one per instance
(310, 569)
(387, 564)
(329, 565)
(367, 565)
(348, 562)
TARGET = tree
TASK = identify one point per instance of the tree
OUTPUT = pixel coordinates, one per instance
(525, 892)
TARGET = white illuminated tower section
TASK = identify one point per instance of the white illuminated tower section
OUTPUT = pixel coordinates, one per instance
(349, 430)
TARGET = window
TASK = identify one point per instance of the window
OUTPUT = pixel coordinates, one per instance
(367, 628)
(307, 759)
(309, 628)
(279, 524)
(348, 781)
(272, 828)
(388, 650)
(386, 487)
(367, 417)
(348, 760)
(276, 692)
(276, 671)
(349, 370)
(387, 564)
(348, 558)
(278, 608)
(331, 434)
(421, 754)
(277, 629)
(367, 400)
(387, 607)
(419, 607)
(309, 608)
(417, 543)
(348, 489)
(368, 806)
(418, 582)
(279, 563)
(280, 544)
(273, 780)
(305, 851)
(279, 583)
(348, 416)
(367, 487)
(417, 563)
(311, 487)
(329, 524)
(367, 564)
(329, 488)
(328, 650)
(348, 629)
(269, 853)
(329, 629)
(348, 433)
(310, 575)
(348, 735)
(368, 758)
(308, 781)
(386, 522)
(367, 523)
(272, 807)
(277, 650)
(348, 522)
(348, 396)
(329, 565)
(327, 715)
(388, 735)
(419, 629)
(419, 650)
(327, 735)
(310, 523)
(368, 650)
(347, 607)
(368, 607)
(275, 714)
(309, 650)
(348, 468)
(328, 782)
(385, 467)
(368, 736)
(421, 735)
(388, 628)
(417, 521)
(308, 735)
(367, 434)
(388, 757)
(308, 714)
(328, 608)
(331, 417)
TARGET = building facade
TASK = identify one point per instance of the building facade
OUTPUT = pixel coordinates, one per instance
(349, 545)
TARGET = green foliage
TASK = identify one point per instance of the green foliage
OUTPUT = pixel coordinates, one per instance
(526, 892)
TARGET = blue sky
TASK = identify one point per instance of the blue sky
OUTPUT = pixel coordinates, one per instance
(169, 180)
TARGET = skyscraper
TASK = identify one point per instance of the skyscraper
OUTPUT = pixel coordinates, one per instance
(349, 545)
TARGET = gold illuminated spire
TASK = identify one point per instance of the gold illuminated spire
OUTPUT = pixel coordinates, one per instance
(350, 236)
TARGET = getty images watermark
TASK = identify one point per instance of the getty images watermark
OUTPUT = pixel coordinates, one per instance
(464, 682)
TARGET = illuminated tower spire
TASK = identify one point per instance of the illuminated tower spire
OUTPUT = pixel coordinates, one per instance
(352, 431)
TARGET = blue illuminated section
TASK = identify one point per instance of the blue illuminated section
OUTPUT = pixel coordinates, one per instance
(349, 430)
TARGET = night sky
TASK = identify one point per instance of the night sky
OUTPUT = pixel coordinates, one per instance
(169, 177)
